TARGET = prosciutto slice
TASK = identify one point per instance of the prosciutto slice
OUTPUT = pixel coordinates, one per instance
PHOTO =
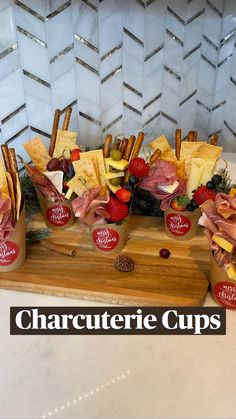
(224, 259)
(225, 205)
(90, 207)
(6, 225)
(227, 226)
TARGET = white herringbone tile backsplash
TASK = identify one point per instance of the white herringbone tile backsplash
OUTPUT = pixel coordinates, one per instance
(123, 65)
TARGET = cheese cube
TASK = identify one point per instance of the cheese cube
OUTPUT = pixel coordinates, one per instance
(113, 175)
(231, 272)
(119, 165)
(232, 192)
(223, 243)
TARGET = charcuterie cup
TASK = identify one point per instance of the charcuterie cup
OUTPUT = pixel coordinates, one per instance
(223, 289)
(57, 215)
(12, 250)
(181, 225)
(109, 238)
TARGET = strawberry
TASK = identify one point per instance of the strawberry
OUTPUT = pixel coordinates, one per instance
(138, 167)
(75, 154)
(123, 195)
(118, 210)
(179, 203)
(65, 186)
(202, 194)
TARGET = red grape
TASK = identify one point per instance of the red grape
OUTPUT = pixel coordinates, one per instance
(164, 253)
(64, 165)
(53, 164)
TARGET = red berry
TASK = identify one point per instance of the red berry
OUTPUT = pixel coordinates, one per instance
(75, 154)
(118, 210)
(202, 194)
(138, 167)
(164, 253)
(123, 195)
(65, 187)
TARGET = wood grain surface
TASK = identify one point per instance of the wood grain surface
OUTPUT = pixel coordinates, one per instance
(181, 280)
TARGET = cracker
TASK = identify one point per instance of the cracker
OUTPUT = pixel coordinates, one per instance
(200, 149)
(38, 153)
(166, 151)
(85, 165)
(65, 143)
(98, 162)
(3, 180)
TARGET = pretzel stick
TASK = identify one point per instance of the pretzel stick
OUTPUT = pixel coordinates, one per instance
(123, 145)
(137, 145)
(66, 121)
(214, 139)
(195, 136)
(190, 136)
(15, 181)
(129, 148)
(59, 248)
(54, 131)
(154, 156)
(12, 160)
(106, 147)
(177, 143)
(5, 155)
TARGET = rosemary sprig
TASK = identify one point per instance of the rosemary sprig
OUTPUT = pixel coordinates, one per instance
(226, 183)
(38, 234)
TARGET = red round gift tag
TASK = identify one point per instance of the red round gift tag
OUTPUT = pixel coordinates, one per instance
(105, 238)
(225, 293)
(8, 253)
(58, 215)
(178, 224)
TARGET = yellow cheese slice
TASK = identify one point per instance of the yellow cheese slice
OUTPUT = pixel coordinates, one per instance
(231, 272)
(195, 175)
(232, 192)
(223, 243)
(119, 165)
(65, 143)
(37, 152)
(113, 175)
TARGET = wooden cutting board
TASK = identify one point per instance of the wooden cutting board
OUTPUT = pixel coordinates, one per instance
(181, 280)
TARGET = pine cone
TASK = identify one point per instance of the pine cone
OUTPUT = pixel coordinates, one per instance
(124, 263)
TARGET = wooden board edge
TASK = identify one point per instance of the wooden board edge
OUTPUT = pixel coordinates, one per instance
(107, 298)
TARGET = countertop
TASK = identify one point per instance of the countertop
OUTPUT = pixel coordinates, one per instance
(114, 376)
